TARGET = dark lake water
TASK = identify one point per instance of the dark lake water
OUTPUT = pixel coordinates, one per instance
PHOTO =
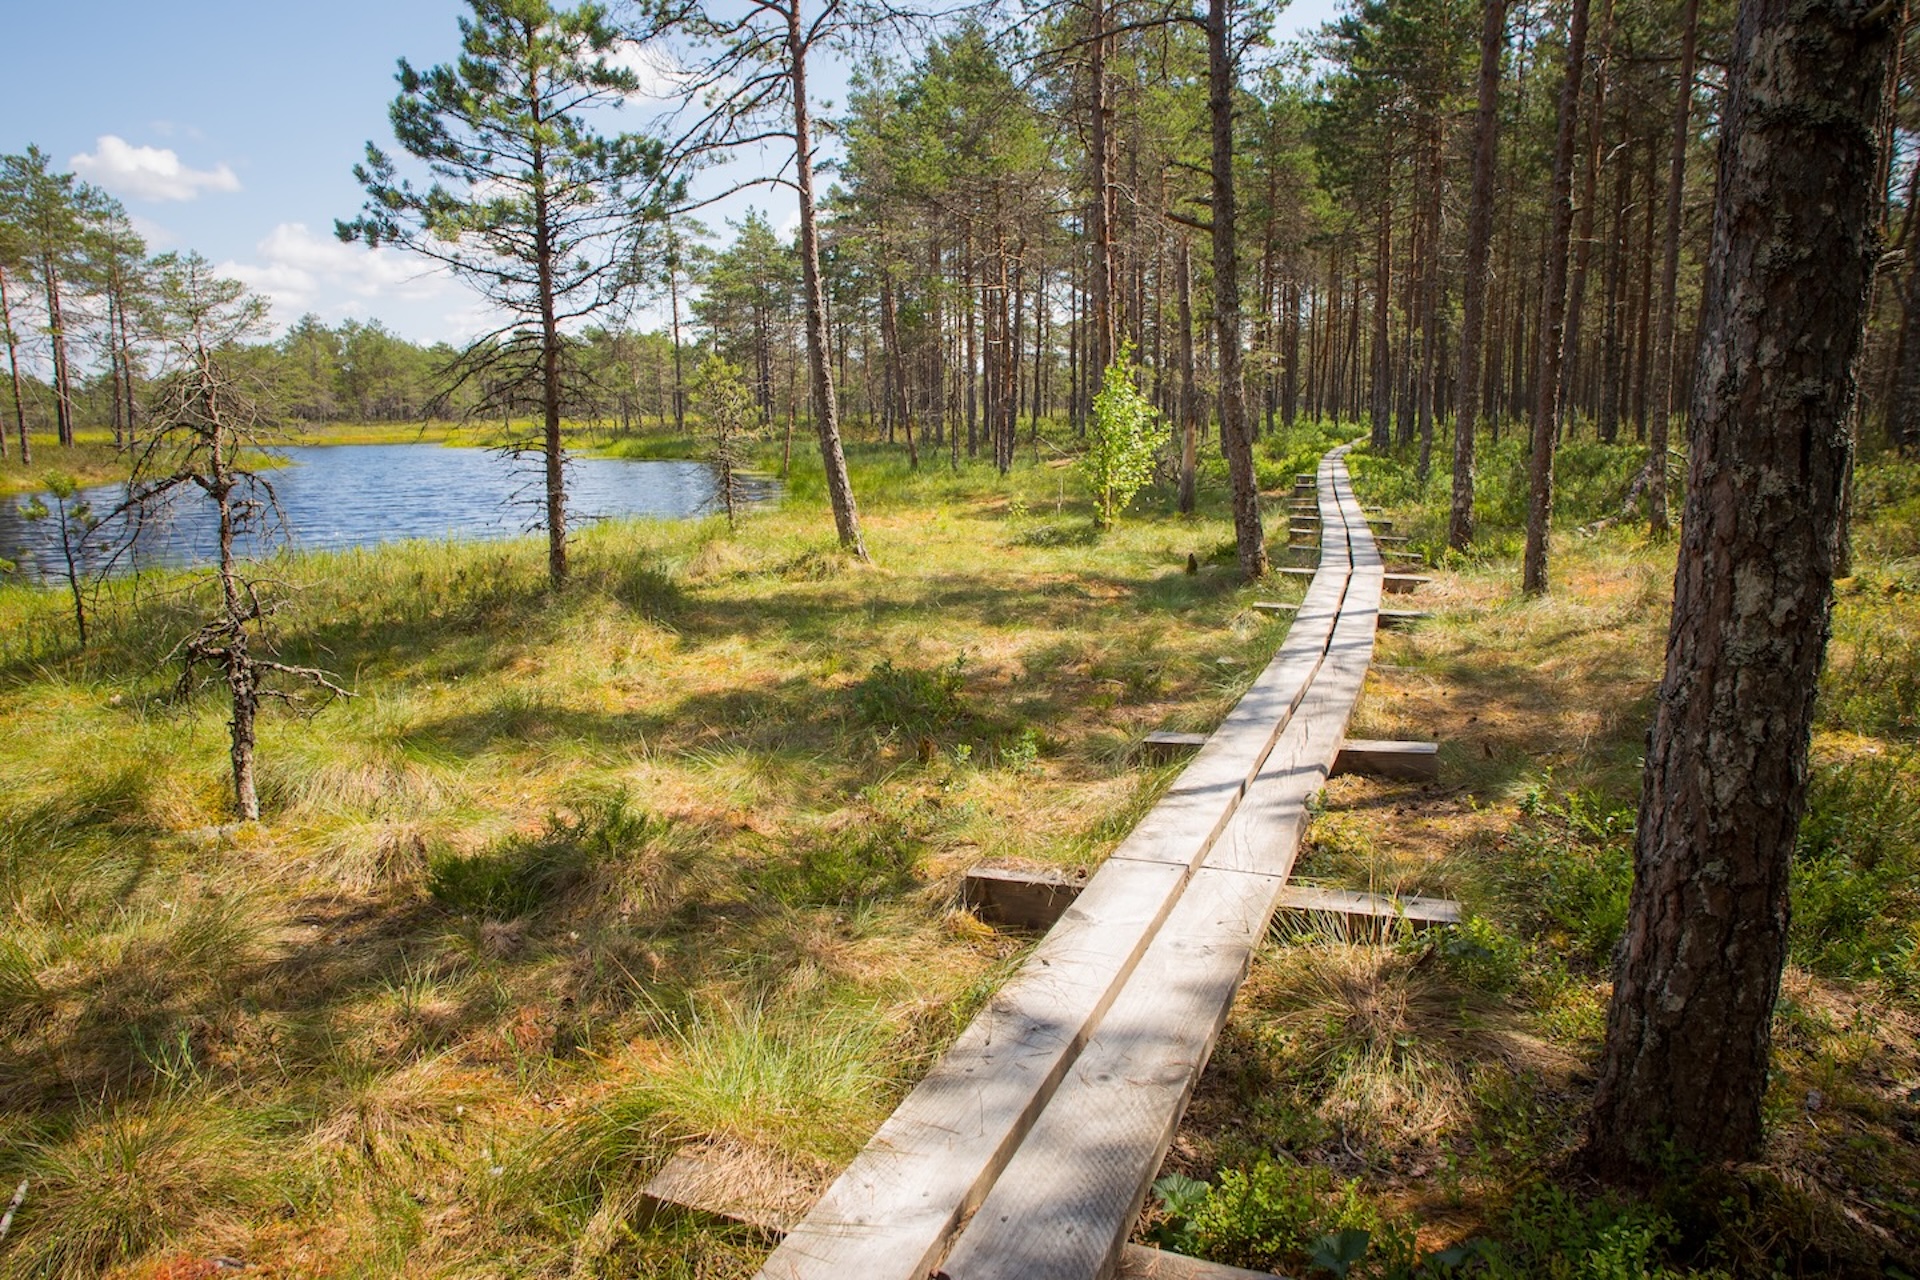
(356, 495)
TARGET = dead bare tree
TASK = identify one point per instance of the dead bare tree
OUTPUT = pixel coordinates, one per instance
(203, 418)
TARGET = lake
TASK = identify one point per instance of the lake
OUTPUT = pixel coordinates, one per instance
(337, 496)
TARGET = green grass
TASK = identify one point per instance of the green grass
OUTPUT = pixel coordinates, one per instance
(573, 878)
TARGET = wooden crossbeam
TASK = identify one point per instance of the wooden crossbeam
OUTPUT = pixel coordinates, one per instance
(1402, 583)
(1369, 913)
(1164, 745)
(1411, 761)
(1011, 898)
(1274, 606)
(1395, 619)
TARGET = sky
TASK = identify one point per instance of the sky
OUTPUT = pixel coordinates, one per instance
(231, 127)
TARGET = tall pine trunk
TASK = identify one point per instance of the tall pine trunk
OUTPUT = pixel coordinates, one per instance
(1473, 317)
(1660, 407)
(1688, 1029)
(1235, 436)
(1553, 299)
(826, 408)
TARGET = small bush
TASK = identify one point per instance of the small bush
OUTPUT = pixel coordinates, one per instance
(912, 700)
(1282, 1215)
(1123, 435)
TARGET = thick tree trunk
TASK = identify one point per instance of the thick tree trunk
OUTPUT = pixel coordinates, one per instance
(1583, 240)
(1660, 408)
(1546, 418)
(552, 446)
(1688, 1030)
(1235, 437)
(826, 409)
(1486, 127)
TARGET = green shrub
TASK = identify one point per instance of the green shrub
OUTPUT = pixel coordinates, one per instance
(1282, 1215)
(1123, 435)
(912, 700)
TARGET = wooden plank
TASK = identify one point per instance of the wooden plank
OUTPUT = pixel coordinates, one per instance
(892, 1211)
(1273, 606)
(1139, 1262)
(695, 1181)
(1370, 910)
(1412, 761)
(1164, 745)
(1068, 1198)
(1008, 897)
(751, 1187)
(1402, 583)
(1398, 619)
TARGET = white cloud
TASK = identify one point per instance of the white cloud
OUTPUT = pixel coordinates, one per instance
(148, 173)
(299, 271)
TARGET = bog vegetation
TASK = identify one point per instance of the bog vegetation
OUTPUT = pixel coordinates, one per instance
(651, 838)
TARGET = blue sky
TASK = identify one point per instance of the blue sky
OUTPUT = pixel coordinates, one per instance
(232, 127)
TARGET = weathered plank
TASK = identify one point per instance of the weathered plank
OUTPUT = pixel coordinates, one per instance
(1395, 619)
(1402, 583)
(1370, 911)
(748, 1187)
(1138, 1262)
(1008, 897)
(1409, 761)
(1163, 745)
(1065, 1203)
(1273, 606)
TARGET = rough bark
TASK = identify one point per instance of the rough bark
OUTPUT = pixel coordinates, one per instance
(1725, 785)
(1235, 436)
(1546, 389)
(826, 409)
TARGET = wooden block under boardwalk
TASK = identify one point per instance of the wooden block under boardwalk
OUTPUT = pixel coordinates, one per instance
(1394, 619)
(1369, 914)
(1009, 898)
(1411, 761)
(1402, 583)
(1163, 746)
(1139, 1262)
(733, 1182)
(1274, 606)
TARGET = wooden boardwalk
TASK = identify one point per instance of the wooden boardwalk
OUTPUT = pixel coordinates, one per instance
(1028, 1149)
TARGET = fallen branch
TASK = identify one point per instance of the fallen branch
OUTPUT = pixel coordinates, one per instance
(19, 1198)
